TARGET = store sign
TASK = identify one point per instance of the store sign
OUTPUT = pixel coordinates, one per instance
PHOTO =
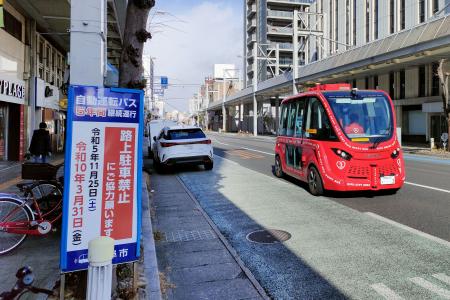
(12, 91)
(47, 95)
(103, 178)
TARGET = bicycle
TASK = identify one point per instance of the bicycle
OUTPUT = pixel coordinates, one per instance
(23, 216)
(24, 284)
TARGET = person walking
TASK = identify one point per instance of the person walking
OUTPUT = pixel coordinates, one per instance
(40, 144)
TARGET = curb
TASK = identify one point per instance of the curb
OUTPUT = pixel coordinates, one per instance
(153, 289)
(227, 245)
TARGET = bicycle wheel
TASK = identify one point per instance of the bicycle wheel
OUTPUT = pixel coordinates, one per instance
(48, 194)
(11, 210)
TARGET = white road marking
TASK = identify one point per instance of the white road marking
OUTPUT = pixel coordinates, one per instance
(431, 287)
(412, 230)
(249, 149)
(386, 292)
(442, 277)
(428, 187)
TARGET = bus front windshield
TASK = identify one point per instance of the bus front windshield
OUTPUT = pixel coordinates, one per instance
(363, 116)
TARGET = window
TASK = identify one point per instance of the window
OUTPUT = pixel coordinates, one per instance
(181, 134)
(402, 84)
(435, 80)
(283, 120)
(392, 85)
(336, 24)
(317, 123)
(354, 22)
(375, 82)
(367, 21)
(347, 22)
(291, 118)
(402, 14)
(12, 25)
(435, 7)
(354, 83)
(375, 18)
(391, 16)
(422, 81)
(421, 11)
(299, 119)
(366, 83)
(331, 27)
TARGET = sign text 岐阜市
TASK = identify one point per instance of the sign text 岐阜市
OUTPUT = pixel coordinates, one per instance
(102, 178)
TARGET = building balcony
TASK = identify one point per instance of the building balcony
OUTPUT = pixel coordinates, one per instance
(291, 2)
(275, 30)
(276, 14)
(281, 46)
(251, 10)
(251, 38)
(251, 25)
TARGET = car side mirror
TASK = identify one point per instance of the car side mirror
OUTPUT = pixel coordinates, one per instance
(154, 138)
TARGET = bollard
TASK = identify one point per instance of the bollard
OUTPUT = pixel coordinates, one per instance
(432, 144)
(100, 255)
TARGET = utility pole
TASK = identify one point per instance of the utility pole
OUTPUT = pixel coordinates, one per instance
(88, 31)
(255, 88)
(295, 56)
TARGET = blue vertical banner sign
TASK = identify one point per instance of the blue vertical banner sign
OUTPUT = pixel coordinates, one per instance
(164, 82)
(102, 176)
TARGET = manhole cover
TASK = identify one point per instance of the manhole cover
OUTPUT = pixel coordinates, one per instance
(268, 236)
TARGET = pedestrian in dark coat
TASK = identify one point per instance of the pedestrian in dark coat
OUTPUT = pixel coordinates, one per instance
(40, 143)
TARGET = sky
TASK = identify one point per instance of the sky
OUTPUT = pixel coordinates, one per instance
(189, 37)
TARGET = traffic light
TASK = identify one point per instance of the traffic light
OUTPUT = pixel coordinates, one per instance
(2, 24)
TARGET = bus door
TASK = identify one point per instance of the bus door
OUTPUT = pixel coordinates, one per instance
(317, 128)
(294, 136)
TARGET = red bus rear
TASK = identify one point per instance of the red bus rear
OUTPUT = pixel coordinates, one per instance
(336, 138)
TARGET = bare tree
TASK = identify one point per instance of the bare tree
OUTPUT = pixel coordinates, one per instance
(135, 35)
(443, 79)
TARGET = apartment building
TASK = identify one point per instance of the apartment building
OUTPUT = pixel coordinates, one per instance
(412, 82)
(269, 39)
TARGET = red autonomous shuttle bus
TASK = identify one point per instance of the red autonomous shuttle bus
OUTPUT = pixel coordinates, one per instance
(337, 138)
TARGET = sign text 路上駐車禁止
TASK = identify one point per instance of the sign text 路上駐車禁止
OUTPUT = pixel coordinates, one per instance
(103, 179)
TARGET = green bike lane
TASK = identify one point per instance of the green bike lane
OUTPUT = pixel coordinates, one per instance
(335, 252)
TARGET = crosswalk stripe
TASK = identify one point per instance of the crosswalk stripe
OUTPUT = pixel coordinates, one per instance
(431, 287)
(442, 277)
(386, 292)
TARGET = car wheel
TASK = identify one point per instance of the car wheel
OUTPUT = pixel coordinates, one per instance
(278, 169)
(208, 166)
(315, 182)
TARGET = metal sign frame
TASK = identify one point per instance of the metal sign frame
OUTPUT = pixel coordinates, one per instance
(110, 125)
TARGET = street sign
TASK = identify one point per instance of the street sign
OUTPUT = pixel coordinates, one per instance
(102, 179)
(159, 92)
(164, 82)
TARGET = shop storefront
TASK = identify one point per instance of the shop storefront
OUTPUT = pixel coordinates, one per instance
(12, 126)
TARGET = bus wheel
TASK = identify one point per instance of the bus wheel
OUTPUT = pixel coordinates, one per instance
(315, 182)
(278, 169)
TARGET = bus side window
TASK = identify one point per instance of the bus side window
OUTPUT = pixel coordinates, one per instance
(283, 120)
(291, 120)
(318, 125)
(299, 118)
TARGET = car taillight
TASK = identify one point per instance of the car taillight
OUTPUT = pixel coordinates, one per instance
(342, 154)
(168, 144)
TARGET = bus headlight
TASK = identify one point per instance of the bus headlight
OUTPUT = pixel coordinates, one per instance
(342, 154)
(396, 153)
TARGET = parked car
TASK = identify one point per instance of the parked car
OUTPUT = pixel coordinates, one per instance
(153, 129)
(182, 145)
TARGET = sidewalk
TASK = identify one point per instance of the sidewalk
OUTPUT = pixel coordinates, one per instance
(192, 258)
(45, 267)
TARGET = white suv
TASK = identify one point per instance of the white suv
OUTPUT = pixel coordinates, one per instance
(182, 144)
